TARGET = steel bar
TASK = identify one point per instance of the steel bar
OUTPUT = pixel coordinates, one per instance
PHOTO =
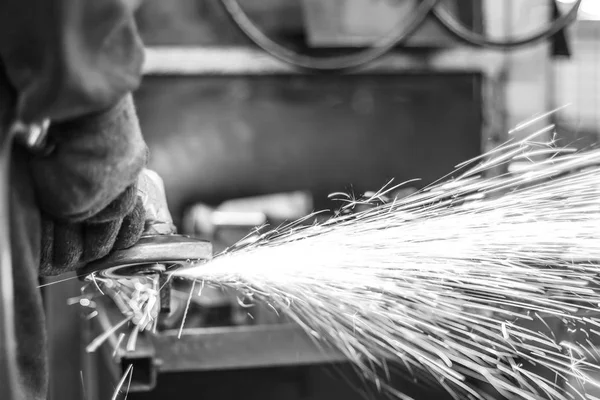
(206, 349)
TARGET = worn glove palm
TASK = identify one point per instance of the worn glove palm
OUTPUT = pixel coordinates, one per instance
(87, 188)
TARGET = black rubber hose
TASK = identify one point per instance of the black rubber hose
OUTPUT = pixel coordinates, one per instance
(399, 34)
(403, 30)
(463, 33)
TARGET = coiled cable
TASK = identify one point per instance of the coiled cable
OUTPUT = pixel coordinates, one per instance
(466, 35)
(403, 31)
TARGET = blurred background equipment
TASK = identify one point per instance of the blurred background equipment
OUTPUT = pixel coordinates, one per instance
(246, 134)
(576, 81)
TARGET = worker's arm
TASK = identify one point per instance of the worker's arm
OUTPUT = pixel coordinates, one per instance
(76, 62)
(69, 58)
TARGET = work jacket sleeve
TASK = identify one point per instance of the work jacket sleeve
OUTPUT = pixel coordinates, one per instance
(76, 62)
(69, 58)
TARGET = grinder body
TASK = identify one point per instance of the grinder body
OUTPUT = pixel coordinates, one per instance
(160, 249)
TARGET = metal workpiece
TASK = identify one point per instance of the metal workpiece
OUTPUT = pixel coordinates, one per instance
(204, 349)
(222, 348)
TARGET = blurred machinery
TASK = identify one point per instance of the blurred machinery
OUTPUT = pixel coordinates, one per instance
(226, 121)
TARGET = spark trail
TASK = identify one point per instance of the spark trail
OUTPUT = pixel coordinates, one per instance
(452, 282)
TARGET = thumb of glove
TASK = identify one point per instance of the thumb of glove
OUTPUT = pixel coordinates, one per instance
(151, 190)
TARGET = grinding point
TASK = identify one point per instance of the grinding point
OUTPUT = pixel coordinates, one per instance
(153, 254)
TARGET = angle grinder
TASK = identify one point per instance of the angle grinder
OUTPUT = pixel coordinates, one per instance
(159, 251)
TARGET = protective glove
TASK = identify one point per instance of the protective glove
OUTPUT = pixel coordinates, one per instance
(87, 188)
(95, 159)
(142, 208)
(67, 246)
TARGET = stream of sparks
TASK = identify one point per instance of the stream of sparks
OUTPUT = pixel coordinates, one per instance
(462, 283)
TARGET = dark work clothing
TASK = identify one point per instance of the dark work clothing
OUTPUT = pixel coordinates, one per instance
(69, 58)
(74, 62)
(25, 245)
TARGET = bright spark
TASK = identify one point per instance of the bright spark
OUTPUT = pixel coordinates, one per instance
(446, 280)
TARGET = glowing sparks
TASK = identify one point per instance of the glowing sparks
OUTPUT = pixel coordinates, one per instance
(118, 344)
(118, 389)
(449, 280)
(136, 298)
(96, 343)
(187, 307)
(459, 283)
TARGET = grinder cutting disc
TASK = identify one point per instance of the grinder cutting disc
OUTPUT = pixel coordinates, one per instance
(152, 254)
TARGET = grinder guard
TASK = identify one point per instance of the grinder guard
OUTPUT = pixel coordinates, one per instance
(160, 249)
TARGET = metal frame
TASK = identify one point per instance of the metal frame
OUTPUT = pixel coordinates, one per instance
(189, 61)
(201, 349)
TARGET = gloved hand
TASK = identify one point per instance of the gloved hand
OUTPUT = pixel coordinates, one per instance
(87, 188)
(96, 158)
(68, 246)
